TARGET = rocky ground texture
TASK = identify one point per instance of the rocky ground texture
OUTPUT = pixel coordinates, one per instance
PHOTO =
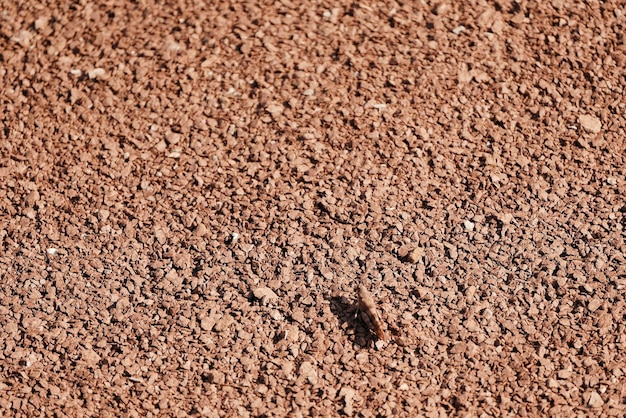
(191, 192)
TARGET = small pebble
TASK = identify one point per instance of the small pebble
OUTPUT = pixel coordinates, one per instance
(506, 218)
(590, 123)
(308, 371)
(96, 73)
(488, 314)
(23, 38)
(415, 255)
(265, 294)
(274, 109)
(594, 304)
(595, 400)
(347, 393)
(469, 225)
(458, 30)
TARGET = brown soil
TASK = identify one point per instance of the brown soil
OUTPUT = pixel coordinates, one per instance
(191, 193)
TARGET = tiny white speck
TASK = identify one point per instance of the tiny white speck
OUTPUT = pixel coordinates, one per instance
(51, 251)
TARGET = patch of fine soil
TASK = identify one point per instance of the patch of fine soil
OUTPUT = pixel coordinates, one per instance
(191, 192)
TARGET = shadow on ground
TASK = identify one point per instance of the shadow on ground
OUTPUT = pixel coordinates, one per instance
(346, 313)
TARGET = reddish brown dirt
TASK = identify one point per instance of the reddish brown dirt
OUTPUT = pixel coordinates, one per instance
(191, 193)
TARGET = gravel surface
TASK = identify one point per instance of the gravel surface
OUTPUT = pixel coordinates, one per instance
(191, 194)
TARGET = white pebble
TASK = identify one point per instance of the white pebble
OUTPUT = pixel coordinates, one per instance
(52, 251)
(469, 225)
(98, 73)
(458, 30)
